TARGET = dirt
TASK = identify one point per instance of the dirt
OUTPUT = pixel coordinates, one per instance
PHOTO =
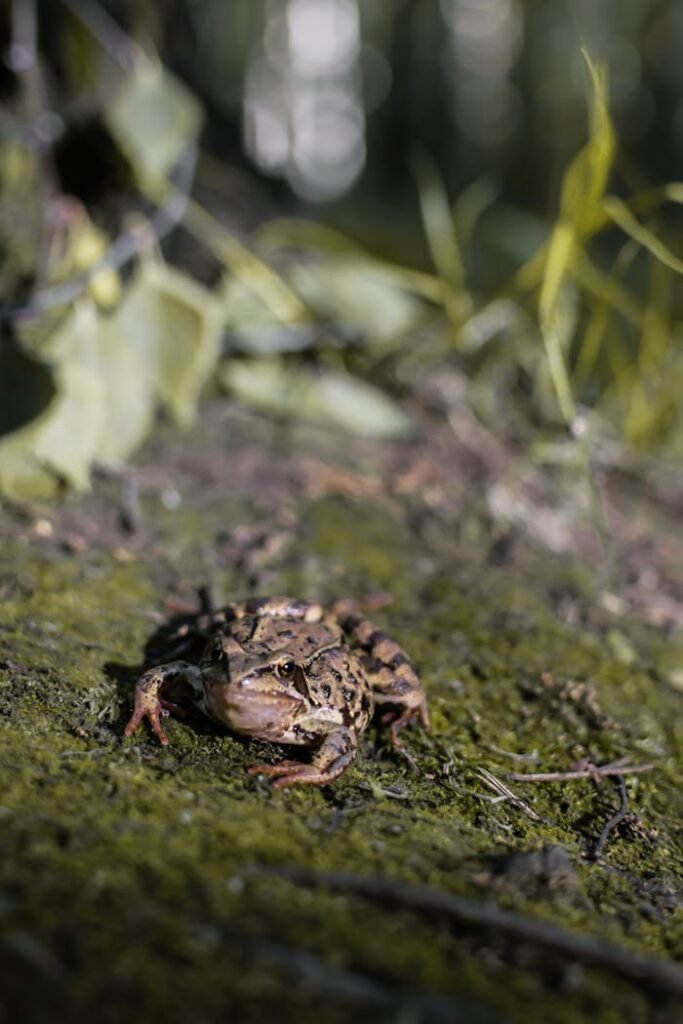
(133, 879)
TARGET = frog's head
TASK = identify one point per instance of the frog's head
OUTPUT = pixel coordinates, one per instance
(255, 693)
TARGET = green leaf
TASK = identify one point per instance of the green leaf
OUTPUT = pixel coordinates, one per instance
(22, 478)
(439, 229)
(583, 189)
(128, 355)
(247, 266)
(325, 396)
(352, 291)
(253, 326)
(188, 323)
(161, 344)
(67, 440)
(61, 442)
(305, 234)
(102, 378)
(153, 117)
(361, 408)
(619, 212)
(242, 307)
(360, 294)
(585, 180)
(22, 216)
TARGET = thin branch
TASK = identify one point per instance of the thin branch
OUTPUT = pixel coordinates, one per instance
(127, 246)
(122, 49)
(24, 59)
(392, 794)
(612, 822)
(648, 971)
(591, 771)
(23, 49)
(494, 783)
(357, 987)
(532, 758)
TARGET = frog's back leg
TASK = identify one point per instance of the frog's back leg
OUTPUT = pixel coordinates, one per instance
(395, 683)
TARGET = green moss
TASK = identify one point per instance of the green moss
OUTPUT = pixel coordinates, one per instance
(124, 867)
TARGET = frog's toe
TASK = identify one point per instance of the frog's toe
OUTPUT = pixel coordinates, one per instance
(132, 724)
(287, 773)
(309, 775)
(398, 722)
(152, 716)
(303, 773)
(169, 707)
(282, 767)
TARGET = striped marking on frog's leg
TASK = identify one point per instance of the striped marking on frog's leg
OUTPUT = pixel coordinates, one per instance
(277, 608)
(395, 683)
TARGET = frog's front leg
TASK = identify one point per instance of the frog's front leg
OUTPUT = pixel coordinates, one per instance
(335, 753)
(149, 696)
(396, 686)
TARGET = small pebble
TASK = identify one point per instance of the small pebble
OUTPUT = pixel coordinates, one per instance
(43, 528)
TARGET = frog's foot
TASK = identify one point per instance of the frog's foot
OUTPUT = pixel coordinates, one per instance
(396, 721)
(336, 753)
(150, 702)
(153, 710)
(287, 773)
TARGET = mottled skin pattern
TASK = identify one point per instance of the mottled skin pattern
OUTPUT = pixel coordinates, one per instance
(288, 671)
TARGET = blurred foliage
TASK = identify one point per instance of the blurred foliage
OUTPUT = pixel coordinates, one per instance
(99, 330)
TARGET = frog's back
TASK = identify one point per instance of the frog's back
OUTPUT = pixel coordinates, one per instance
(266, 634)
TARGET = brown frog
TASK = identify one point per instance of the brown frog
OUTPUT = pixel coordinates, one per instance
(288, 671)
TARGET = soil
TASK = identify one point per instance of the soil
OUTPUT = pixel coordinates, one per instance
(138, 882)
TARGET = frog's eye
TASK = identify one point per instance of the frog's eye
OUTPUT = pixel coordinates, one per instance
(286, 669)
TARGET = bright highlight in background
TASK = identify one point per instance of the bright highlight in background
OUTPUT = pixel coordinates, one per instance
(303, 104)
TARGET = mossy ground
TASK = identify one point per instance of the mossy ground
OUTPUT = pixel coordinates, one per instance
(127, 882)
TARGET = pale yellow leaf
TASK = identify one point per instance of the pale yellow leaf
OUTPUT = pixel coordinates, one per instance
(153, 117)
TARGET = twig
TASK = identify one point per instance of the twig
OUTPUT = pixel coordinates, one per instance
(466, 791)
(128, 245)
(392, 794)
(497, 786)
(584, 772)
(255, 274)
(532, 757)
(123, 49)
(24, 59)
(130, 513)
(349, 986)
(112, 38)
(649, 971)
(612, 822)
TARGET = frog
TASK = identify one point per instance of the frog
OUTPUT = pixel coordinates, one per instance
(294, 673)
